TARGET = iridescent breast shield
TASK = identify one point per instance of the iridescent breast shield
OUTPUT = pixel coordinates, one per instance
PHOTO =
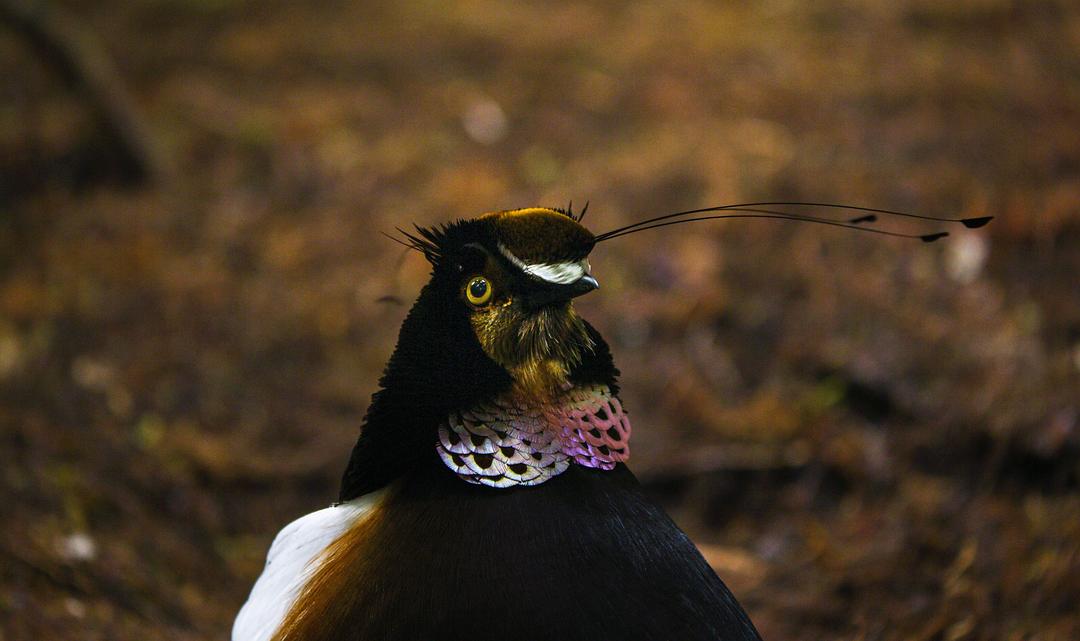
(507, 442)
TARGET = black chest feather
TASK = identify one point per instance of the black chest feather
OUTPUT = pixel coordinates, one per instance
(583, 556)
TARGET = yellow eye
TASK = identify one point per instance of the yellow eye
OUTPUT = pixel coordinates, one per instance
(478, 291)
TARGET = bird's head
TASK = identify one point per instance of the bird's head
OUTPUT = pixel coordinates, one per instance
(513, 275)
(494, 370)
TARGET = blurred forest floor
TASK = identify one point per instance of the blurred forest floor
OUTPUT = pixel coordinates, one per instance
(869, 438)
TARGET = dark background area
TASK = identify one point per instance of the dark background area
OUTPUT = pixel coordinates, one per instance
(869, 438)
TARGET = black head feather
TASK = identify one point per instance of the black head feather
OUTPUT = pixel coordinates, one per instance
(532, 235)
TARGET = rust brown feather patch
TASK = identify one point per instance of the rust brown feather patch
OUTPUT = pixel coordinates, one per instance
(334, 593)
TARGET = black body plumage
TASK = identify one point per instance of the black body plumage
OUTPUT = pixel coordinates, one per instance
(583, 557)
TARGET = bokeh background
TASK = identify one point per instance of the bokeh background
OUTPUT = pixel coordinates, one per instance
(869, 438)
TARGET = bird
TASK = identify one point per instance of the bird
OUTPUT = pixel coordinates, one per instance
(488, 495)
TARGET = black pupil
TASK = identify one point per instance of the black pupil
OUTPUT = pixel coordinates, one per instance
(478, 288)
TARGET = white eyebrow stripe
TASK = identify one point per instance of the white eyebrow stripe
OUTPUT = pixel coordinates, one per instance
(559, 273)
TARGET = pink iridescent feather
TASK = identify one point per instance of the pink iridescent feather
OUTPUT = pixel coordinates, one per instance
(507, 443)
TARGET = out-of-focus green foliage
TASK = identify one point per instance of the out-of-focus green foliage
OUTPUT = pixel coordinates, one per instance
(871, 439)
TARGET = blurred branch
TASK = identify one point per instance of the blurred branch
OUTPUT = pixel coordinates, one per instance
(75, 54)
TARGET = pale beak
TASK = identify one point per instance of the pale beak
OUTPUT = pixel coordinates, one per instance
(561, 293)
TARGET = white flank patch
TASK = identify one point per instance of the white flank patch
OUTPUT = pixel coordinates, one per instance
(290, 563)
(559, 273)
